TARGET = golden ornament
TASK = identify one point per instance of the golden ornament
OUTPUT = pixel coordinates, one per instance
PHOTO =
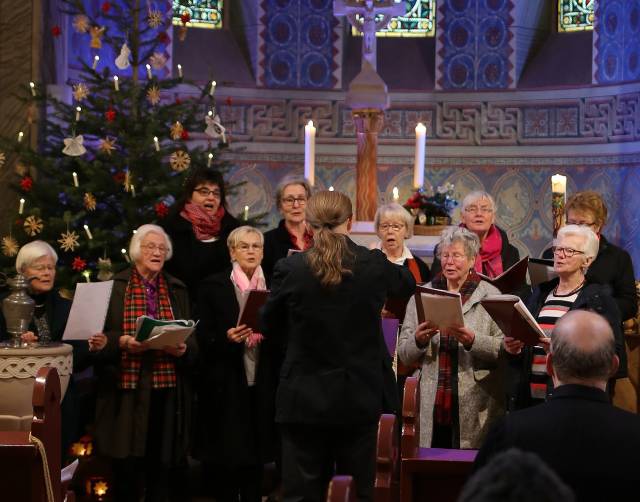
(10, 246)
(96, 32)
(179, 161)
(3, 158)
(21, 169)
(176, 131)
(68, 241)
(80, 92)
(105, 269)
(107, 145)
(153, 95)
(158, 60)
(155, 18)
(33, 225)
(81, 23)
(89, 201)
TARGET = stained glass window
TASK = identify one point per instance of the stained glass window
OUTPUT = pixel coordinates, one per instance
(419, 21)
(203, 13)
(575, 15)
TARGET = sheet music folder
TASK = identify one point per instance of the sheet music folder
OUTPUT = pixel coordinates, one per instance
(513, 318)
(249, 313)
(442, 308)
(511, 279)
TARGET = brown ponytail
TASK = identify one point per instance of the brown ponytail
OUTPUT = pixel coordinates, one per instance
(330, 257)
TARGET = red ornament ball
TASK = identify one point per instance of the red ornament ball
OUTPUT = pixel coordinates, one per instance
(110, 115)
(78, 264)
(26, 184)
(119, 177)
(184, 135)
(56, 31)
(162, 209)
(106, 7)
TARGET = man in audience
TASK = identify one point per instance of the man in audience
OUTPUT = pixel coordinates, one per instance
(593, 446)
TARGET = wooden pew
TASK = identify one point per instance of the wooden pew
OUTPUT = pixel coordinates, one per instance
(22, 477)
(386, 480)
(341, 489)
(428, 474)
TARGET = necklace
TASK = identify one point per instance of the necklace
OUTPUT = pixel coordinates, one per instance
(573, 291)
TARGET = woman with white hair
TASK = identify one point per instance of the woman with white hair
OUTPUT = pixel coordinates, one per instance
(144, 398)
(574, 249)
(238, 386)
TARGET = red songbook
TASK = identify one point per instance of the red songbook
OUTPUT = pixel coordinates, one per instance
(513, 318)
(251, 308)
(512, 279)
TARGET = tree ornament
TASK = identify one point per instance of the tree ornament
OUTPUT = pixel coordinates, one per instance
(81, 23)
(179, 161)
(155, 18)
(78, 264)
(89, 201)
(185, 17)
(73, 146)
(69, 240)
(10, 246)
(107, 145)
(3, 158)
(176, 131)
(96, 32)
(163, 37)
(80, 92)
(33, 225)
(122, 61)
(162, 209)
(105, 269)
(119, 177)
(158, 60)
(105, 7)
(153, 95)
(110, 115)
(56, 31)
(185, 135)
(214, 128)
(26, 184)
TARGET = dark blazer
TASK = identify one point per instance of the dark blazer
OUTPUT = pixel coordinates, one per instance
(593, 446)
(613, 266)
(192, 259)
(337, 369)
(236, 422)
(277, 243)
(594, 297)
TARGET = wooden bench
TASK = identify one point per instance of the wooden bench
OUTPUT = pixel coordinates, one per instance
(341, 489)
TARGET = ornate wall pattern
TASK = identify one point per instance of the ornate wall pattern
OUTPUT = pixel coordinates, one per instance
(616, 41)
(299, 44)
(475, 45)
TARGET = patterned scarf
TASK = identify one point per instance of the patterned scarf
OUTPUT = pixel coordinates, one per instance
(489, 261)
(135, 305)
(448, 349)
(205, 226)
(307, 240)
(244, 285)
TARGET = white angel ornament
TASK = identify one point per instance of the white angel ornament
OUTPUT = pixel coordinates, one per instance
(214, 128)
(122, 61)
(73, 146)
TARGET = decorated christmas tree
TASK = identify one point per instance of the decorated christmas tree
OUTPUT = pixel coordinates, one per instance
(116, 156)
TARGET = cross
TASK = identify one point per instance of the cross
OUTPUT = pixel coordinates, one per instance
(362, 15)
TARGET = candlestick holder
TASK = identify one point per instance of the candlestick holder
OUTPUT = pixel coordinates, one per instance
(557, 210)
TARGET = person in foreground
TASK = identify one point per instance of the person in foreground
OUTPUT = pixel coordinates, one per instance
(461, 386)
(593, 446)
(143, 398)
(325, 306)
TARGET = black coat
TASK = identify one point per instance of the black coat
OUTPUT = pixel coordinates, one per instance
(337, 369)
(613, 266)
(236, 422)
(192, 259)
(277, 243)
(593, 446)
(594, 297)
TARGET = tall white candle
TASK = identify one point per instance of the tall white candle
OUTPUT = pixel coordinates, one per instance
(78, 110)
(396, 195)
(20, 136)
(21, 208)
(149, 74)
(75, 179)
(212, 90)
(33, 88)
(86, 229)
(180, 70)
(209, 159)
(95, 61)
(156, 143)
(310, 152)
(418, 163)
(115, 82)
(559, 183)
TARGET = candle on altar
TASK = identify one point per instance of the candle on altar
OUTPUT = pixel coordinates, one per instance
(310, 152)
(89, 234)
(96, 58)
(418, 163)
(115, 82)
(558, 200)
(396, 194)
(75, 179)
(559, 184)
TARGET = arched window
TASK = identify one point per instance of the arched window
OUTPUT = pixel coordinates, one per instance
(203, 13)
(575, 15)
(419, 21)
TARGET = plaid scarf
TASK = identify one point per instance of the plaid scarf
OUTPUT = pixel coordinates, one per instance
(135, 305)
(448, 350)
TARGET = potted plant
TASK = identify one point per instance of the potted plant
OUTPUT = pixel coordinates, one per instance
(432, 207)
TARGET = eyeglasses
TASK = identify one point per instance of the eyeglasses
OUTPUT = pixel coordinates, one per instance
(290, 201)
(244, 247)
(205, 192)
(152, 248)
(476, 209)
(582, 223)
(445, 257)
(568, 252)
(393, 226)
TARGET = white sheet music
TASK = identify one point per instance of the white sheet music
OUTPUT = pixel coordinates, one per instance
(88, 311)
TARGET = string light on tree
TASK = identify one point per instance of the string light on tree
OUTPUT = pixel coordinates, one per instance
(116, 85)
(33, 88)
(20, 136)
(179, 70)
(21, 207)
(75, 179)
(212, 90)
(149, 74)
(96, 59)
(209, 159)
(78, 110)
(88, 232)
(246, 213)
(126, 256)
(156, 143)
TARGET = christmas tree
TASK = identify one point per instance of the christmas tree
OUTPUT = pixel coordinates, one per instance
(117, 155)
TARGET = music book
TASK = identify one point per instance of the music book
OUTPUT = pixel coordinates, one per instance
(513, 318)
(511, 279)
(157, 333)
(249, 311)
(442, 308)
(88, 310)
(541, 270)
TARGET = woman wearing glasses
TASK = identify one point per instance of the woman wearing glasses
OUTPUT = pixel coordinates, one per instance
(574, 250)
(143, 404)
(291, 233)
(199, 227)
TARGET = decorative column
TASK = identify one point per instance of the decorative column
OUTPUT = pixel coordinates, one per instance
(368, 124)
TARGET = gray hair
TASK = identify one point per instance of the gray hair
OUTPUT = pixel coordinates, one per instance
(470, 241)
(33, 251)
(289, 180)
(475, 196)
(239, 233)
(591, 242)
(395, 211)
(141, 233)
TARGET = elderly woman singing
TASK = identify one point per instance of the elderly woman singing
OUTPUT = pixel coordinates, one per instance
(143, 402)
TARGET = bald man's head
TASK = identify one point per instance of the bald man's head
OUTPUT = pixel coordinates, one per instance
(583, 348)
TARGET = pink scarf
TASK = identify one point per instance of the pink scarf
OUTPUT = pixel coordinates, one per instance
(205, 226)
(244, 284)
(489, 261)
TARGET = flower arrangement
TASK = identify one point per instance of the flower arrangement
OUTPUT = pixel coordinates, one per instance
(432, 207)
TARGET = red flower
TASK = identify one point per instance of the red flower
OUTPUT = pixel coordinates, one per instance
(119, 177)
(56, 31)
(163, 38)
(161, 209)
(185, 17)
(106, 7)
(184, 135)
(26, 184)
(110, 114)
(229, 101)
(78, 264)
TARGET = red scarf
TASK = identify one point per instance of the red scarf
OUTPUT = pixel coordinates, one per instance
(489, 260)
(205, 226)
(307, 240)
(135, 305)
